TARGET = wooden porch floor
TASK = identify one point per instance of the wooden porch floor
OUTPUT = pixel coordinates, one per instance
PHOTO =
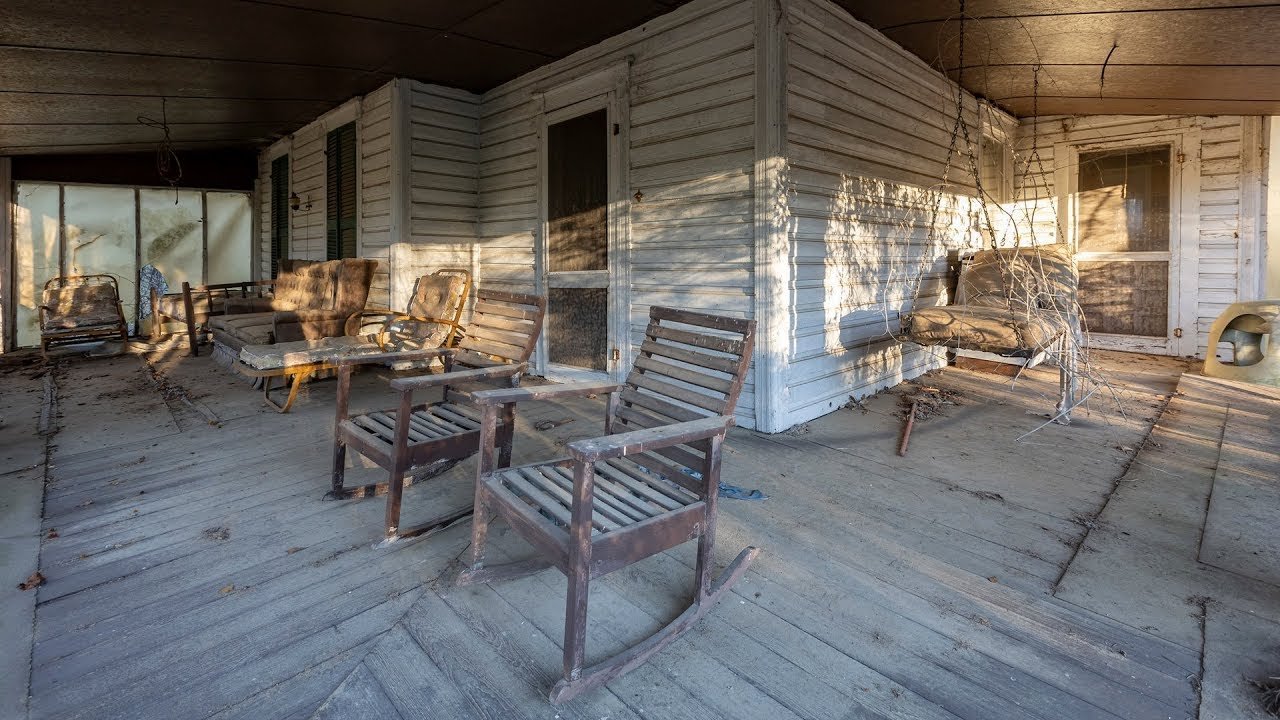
(194, 570)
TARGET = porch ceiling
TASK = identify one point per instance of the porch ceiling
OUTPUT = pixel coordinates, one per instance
(1173, 57)
(243, 72)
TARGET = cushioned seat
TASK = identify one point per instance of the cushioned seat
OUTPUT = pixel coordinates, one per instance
(304, 352)
(989, 329)
(1011, 301)
(236, 331)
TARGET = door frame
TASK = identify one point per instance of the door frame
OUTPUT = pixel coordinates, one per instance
(606, 89)
(1184, 232)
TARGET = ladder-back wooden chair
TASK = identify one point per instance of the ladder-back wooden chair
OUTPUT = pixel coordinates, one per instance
(649, 484)
(492, 353)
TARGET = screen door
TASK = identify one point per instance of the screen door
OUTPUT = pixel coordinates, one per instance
(1124, 252)
(577, 247)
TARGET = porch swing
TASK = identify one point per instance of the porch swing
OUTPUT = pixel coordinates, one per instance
(1015, 303)
(1012, 302)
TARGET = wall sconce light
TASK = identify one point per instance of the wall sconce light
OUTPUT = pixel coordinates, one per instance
(295, 202)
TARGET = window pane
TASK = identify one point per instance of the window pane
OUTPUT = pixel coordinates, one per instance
(172, 237)
(577, 194)
(1125, 298)
(35, 248)
(101, 238)
(1124, 200)
(577, 325)
(230, 237)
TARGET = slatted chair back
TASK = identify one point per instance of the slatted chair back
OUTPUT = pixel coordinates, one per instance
(691, 366)
(503, 329)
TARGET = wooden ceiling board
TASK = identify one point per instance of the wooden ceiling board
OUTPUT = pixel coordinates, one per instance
(77, 73)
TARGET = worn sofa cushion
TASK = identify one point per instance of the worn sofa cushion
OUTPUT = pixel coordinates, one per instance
(989, 329)
(303, 352)
(80, 306)
(1036, 277)
(239, 330)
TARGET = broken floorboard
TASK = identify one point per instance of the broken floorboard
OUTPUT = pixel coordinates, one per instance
(196, 572)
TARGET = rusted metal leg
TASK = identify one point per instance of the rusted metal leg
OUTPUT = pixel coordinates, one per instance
(293, 390)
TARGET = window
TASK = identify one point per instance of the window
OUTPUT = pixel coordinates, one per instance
(340, 193)
(279, 212)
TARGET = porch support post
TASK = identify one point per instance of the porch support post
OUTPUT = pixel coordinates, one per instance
(401, 226)
(772, 274)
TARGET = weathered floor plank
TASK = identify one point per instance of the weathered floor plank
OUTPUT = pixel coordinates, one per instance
(207, 577)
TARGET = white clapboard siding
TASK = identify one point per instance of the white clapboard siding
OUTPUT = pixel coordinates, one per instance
(868, 132)
(692, 152)
(263, 199)
(307, 168)
(1220, 239)
(443, 199)
(374, 131)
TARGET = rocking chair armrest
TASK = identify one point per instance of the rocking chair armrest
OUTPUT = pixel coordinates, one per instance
(502, 396)
(387, 358)
(636, 441)
(459, 376)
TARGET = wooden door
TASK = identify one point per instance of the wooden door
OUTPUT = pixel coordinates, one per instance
(577, 246)
(1126, 247)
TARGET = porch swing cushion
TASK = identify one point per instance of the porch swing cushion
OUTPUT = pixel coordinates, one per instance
(1011, 301)
(990, 329)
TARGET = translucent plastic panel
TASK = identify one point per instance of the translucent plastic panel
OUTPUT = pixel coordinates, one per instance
(172, 236)
(35, 245)
(230, 237)
(1126, 298)
(1124, 200)
(577, 327)
(101, 238)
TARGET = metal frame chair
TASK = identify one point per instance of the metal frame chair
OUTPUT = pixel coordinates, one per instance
(649, 484)
(61, 325)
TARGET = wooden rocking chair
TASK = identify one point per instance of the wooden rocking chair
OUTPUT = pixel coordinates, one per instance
(494, 352)
(649, 484)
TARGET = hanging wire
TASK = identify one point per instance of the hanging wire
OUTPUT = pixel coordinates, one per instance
(167, 164)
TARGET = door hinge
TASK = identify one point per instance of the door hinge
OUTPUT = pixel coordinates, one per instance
(617, 355)
(1177, 332)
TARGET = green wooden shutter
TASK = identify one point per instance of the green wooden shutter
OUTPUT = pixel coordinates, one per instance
(279, 212)
(340, 193)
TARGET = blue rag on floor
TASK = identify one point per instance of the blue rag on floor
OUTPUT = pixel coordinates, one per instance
(733, 492)
(736, 493)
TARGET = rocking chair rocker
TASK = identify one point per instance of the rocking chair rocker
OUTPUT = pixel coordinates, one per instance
(649, 484)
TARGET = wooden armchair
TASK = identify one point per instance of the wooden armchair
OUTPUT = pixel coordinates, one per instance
(649, 484)
(76, 308)
(500, 339)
